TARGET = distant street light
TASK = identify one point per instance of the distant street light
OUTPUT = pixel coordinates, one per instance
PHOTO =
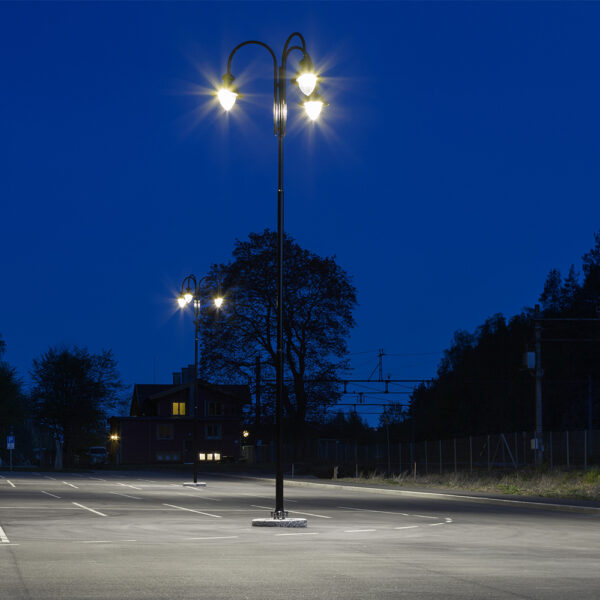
(190, 293)
(307, 80)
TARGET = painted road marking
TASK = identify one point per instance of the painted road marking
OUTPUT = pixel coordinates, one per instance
(408, 527)
(49, 494)
(220, 537)
(130, 486)
(10, 483)
(97, 479)
(125, 495)
(383, 512)
(194, 511)
(359, 530)
(3, 538)
(48, 477)
(90, 509)
(105, 541)
(299, 533)
(293, 511)
(73, 486)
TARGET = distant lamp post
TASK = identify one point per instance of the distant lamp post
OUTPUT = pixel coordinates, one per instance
(190, 294)
(307, 79)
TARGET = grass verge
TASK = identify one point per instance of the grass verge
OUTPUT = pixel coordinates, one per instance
(580, 485)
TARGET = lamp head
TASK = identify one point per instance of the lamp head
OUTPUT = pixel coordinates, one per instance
(181, 301)
(313, 105)
(228, 93)
(306, 78)
(219, 301)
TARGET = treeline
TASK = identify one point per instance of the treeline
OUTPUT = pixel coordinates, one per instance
(483, 384)
(64, 412)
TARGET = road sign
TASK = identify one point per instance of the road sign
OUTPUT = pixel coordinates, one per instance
(10, 442)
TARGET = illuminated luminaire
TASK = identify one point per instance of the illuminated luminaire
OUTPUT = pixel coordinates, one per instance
(313, 106)
(181, 301)
(228, 93)
(307, 83)
(187, 297)
(218, 301)
(227, 98)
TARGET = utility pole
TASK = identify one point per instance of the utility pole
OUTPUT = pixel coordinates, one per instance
(538, 441)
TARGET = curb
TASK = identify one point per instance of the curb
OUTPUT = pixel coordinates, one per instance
(532, 504)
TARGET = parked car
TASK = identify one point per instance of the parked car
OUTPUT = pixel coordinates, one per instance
(97, 455)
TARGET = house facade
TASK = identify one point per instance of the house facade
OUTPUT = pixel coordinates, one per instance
(160, 428)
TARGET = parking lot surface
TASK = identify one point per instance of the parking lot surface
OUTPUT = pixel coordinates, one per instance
(143, 535)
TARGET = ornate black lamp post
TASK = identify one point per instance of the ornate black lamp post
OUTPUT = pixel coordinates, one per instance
(190, 293)
(306, 79)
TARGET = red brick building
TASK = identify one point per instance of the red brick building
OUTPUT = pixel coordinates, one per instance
(160, 426)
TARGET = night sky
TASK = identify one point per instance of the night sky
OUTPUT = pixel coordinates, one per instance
(457, 163)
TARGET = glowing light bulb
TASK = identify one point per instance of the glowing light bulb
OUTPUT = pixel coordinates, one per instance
(227, 98)
(181, 301)
(313, 109)
(307, 83)
(218, 302)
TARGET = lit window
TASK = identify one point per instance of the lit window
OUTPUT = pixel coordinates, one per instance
(202, 456)
(217, 455)
(178, 409)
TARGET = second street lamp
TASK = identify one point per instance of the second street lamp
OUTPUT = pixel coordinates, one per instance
(307, 80)
(190, 293)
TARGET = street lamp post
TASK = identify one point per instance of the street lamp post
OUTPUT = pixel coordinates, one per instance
(306, 80)
(190, 293)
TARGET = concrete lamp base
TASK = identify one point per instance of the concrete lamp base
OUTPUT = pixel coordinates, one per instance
(279, 522)
(197, 484)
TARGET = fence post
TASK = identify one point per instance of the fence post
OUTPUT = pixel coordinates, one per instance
(440, 442)
(551, 452)
(426, 471)
(568, 457)
(400, 457)
(356, 459)
(585, 449)
(488, 449)
(455, 456)
(517, 449)
(471, 453)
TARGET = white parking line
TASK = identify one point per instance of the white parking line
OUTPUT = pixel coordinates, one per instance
(90, 509)
(383, 512)
(408, 527)
(125, 495)
(48, 477)
(359, 530)
(194, 511)
(49, 494)
(73, 486)
(220, 537)
(105, 541)
(130, 486)
(298, 533)
(10, 483)
(3, 538)
(297, 512)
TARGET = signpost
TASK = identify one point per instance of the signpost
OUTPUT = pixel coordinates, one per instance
(10, 446)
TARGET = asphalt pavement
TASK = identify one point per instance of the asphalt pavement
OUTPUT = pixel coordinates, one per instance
(140, 535)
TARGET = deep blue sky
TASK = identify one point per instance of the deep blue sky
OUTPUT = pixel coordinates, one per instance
(457, 163)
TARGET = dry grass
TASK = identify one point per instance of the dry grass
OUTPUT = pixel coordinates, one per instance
(582, 485)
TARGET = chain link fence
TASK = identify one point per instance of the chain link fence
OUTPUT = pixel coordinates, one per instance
(570, 449)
